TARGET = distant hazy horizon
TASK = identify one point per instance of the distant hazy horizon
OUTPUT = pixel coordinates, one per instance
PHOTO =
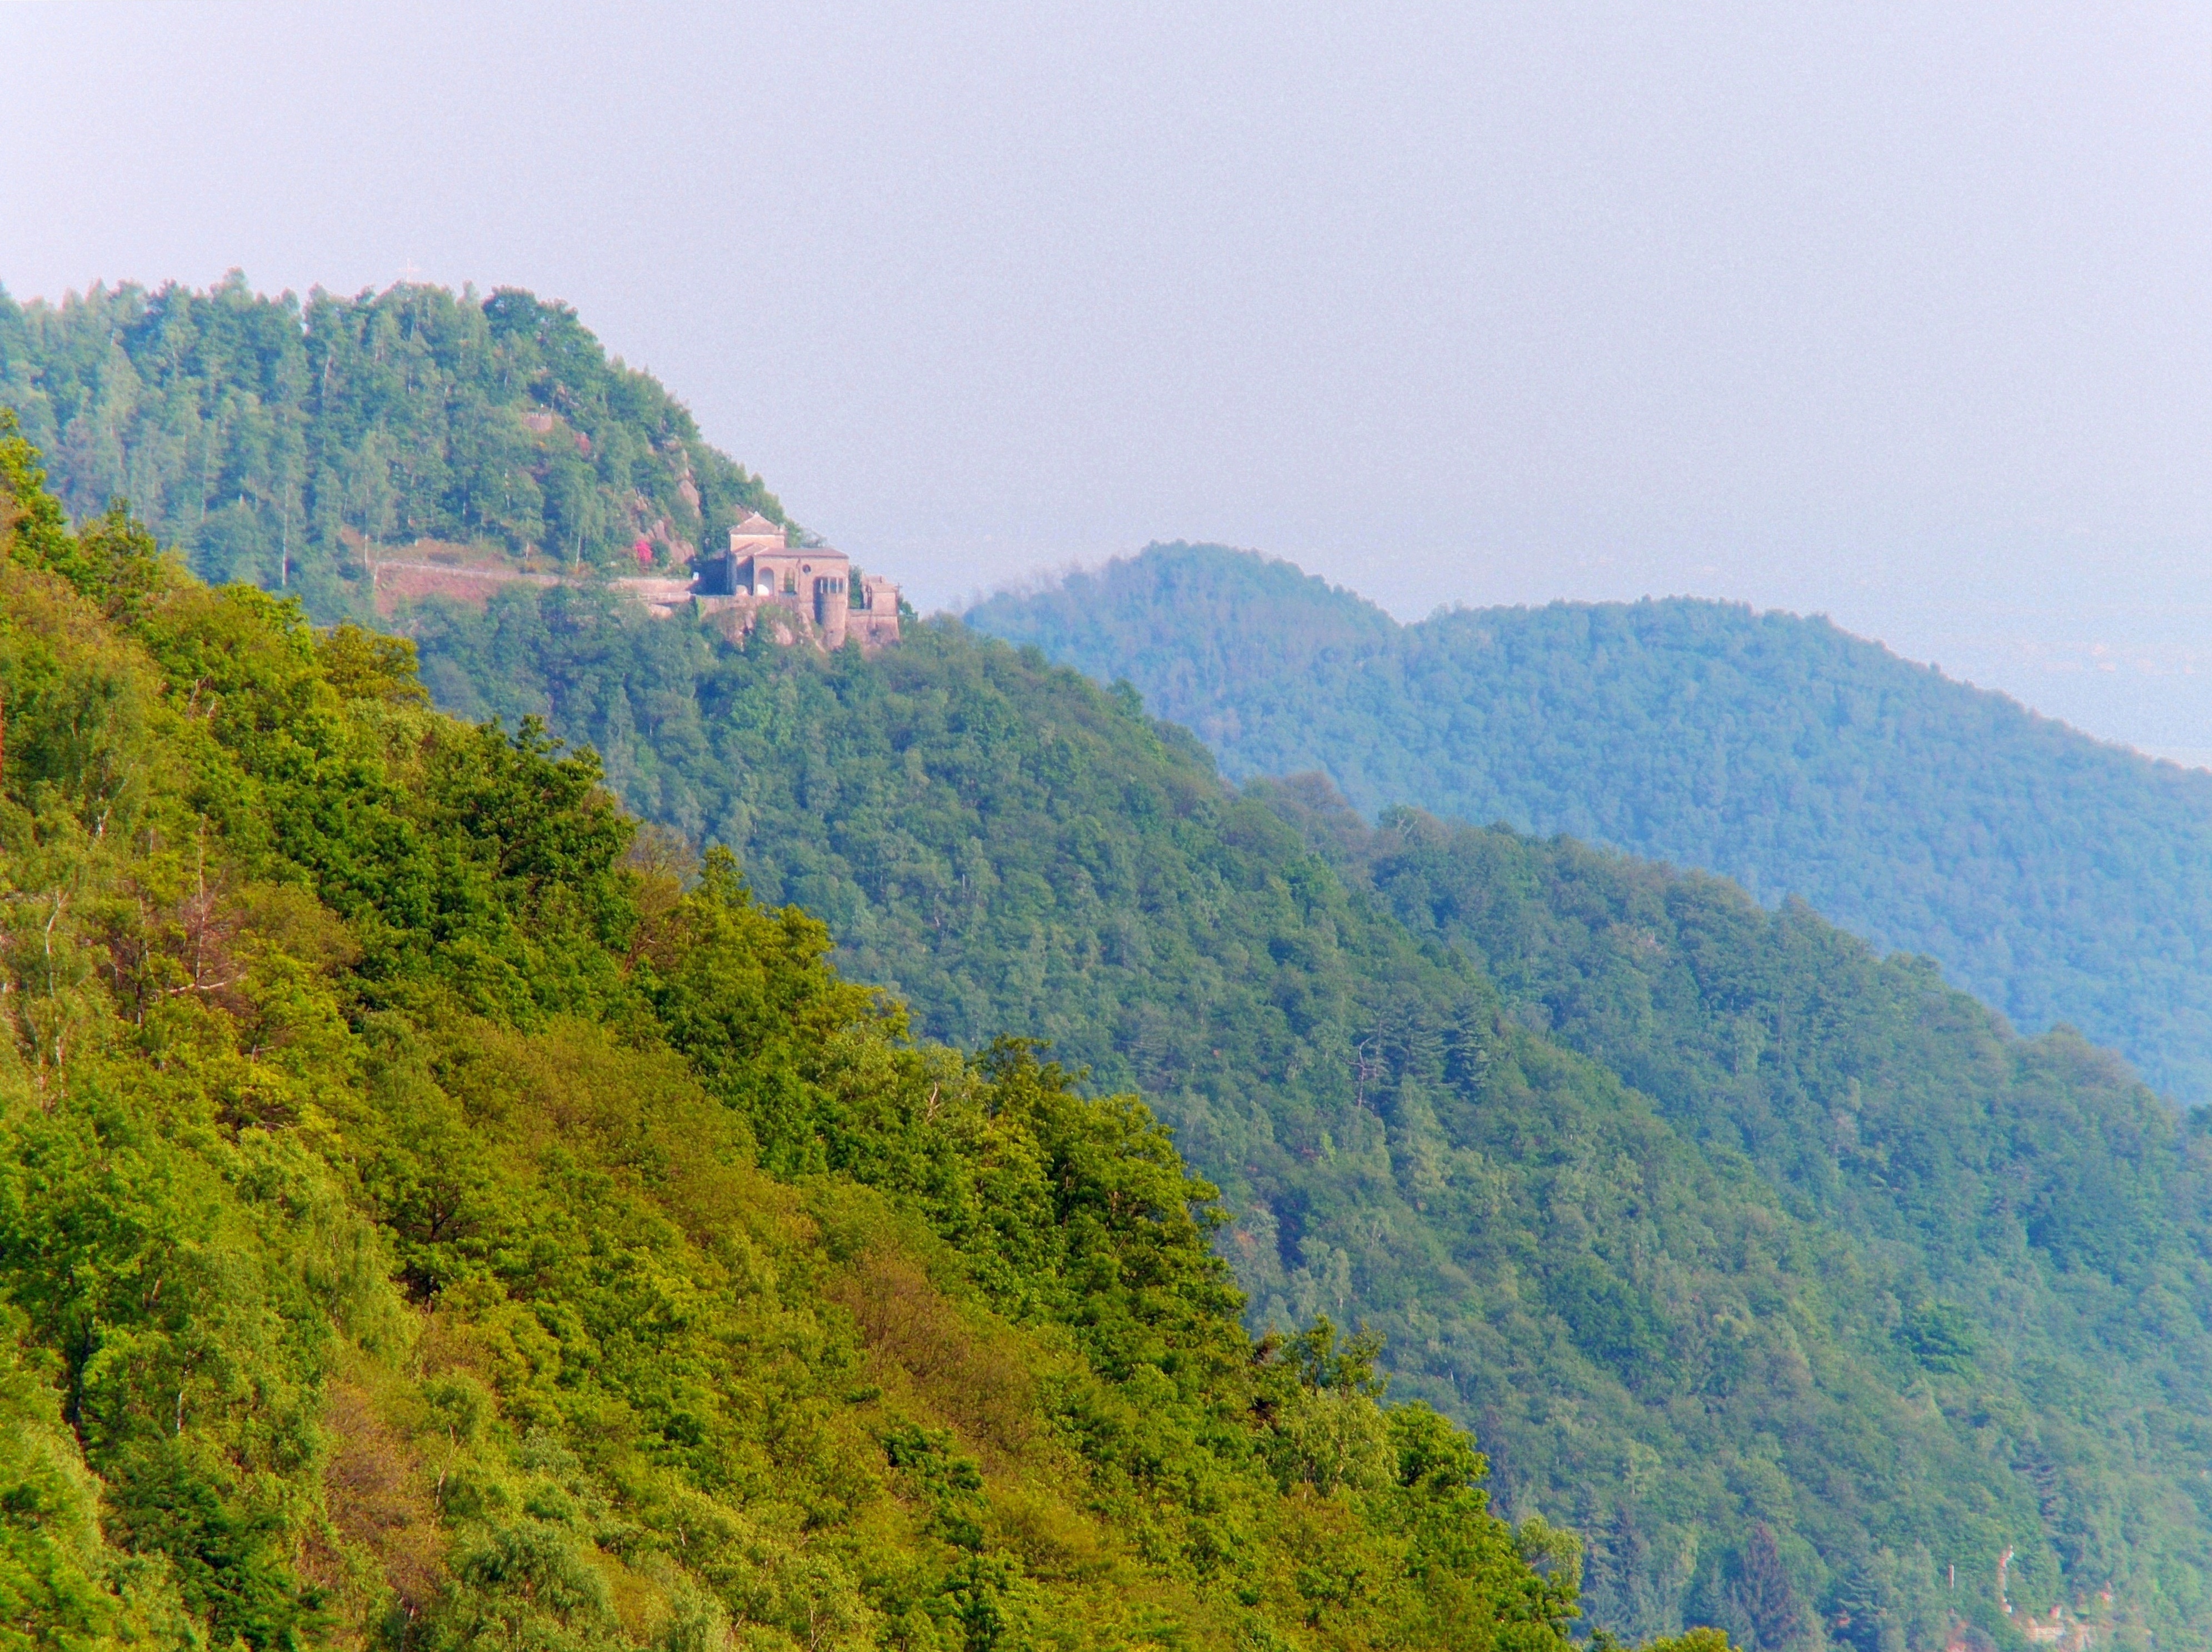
(2194, 757)
(1889, 312)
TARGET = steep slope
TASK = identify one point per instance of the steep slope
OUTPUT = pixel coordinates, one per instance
(1865, 1092)
(2060, 879)
(428, 1219)
(283, 444)
(1683, 1320)
(1780, 1374)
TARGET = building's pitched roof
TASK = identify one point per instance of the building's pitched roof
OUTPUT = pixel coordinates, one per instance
(755, 524)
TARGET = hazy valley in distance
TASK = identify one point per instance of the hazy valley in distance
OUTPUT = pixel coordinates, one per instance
(2062, 879)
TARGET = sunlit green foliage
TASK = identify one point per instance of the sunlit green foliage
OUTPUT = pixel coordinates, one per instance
(432, 1216)
(2059, 879)
(1784, 1274)
(1713, 1223)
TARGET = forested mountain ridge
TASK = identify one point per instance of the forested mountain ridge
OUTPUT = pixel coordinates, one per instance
(434, 1216)
(283, 443)
(1851, 1292)
(2059, 879)
(1789, 1362)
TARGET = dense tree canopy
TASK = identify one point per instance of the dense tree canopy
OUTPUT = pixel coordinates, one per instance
(1783, 1272)
(2060, 879)
(283, 443)
(434, 1214)
(552, 1244)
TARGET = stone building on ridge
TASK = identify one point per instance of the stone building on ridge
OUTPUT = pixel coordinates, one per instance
(761, 573)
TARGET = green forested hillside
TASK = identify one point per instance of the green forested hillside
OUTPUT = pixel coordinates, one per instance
(281, 443)
(2060, 879)
(1863, 1091)
(1782, 1271)
(433, 1215)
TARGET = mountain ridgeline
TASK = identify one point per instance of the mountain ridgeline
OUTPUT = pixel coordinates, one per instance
(436, 1215)
(1783, 1272)
(285, 443)
(2063, 880)
(432, 1212)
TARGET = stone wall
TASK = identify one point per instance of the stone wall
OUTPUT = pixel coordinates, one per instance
(395, 583)
(789, 619)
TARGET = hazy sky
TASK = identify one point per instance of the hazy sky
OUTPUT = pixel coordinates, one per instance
(1899, 312)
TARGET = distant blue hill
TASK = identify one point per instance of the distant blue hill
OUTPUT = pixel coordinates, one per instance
(2062, 879)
